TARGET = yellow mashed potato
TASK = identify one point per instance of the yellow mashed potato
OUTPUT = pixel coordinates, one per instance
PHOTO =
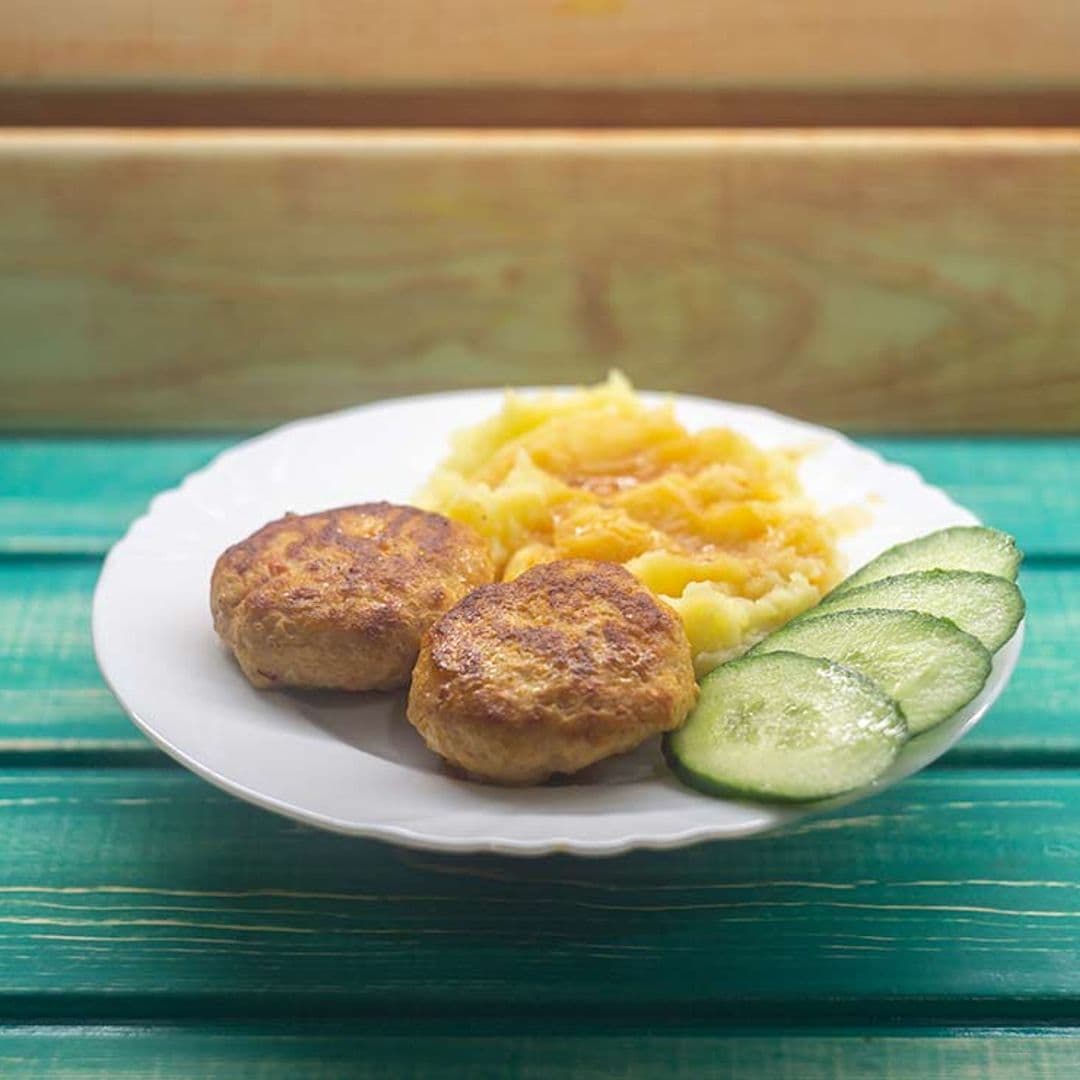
(715, 526)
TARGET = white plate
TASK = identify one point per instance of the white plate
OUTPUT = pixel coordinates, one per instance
(352, 763)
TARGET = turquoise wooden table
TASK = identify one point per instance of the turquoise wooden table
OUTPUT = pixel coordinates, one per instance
(152, 926)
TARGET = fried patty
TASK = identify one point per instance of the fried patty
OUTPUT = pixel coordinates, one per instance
(340, 599)
(569, 663)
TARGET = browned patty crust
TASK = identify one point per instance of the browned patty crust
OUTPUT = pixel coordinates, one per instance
(340, 599)
(570, 662)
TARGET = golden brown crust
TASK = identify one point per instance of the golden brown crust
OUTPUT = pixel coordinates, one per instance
(570, 662)
(339, 599)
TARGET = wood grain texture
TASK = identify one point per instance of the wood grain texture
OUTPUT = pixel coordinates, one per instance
(189, 934)
(916, 281)
(595, 42)
(53, 701)
(495, 1052)
(146, 894)
(76, 496)
(563, 63)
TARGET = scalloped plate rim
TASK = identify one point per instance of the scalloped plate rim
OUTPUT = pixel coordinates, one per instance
(119, 561)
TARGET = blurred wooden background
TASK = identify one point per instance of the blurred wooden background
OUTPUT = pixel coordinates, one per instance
(873, 221)
(551, 62)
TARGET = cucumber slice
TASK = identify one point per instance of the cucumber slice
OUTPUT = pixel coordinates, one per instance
(984, 605)
(786, 727)
(963, 547)
(929, 666)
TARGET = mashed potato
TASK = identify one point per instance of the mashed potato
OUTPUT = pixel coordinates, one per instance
(716, 527)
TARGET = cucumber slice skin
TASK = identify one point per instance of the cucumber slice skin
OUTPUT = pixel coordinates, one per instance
(928, 665)
(866, 727)
(992, 612)
(961, 547)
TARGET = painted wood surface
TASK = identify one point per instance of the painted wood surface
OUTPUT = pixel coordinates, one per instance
(908, 281)
(76, 496)
(150, 925)
(492, 1052)
(146, 894)
(567, 62)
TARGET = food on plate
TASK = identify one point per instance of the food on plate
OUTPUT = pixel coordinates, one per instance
(986, 606)
(781, 726)
(717, 527)
(569, 663)
(340, 599)
(929, 666)
(533, 652)
(789, 721)
(962, 547)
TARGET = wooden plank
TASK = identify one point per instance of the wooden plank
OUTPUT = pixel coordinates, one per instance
(574, 1050)
(905, 281)
(1030, 488)
(53, 701)
(423, 41)
(52, 696)
(687, 61)
(78, 495)
(950, 898)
